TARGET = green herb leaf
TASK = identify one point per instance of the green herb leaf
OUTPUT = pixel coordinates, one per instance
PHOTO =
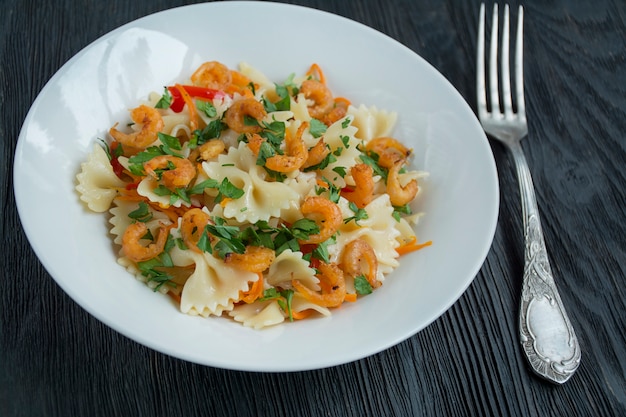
(329, 159)
(369, 160)
(317, 128)
(165, 101)
(341, 171)
(206, 107)
(200, 187)
(274, 133)
(142, 214)
(333, 192)
(170, 144)
(228, 190)
(362, 285)
(359, 214)
(303, 228)
(204, 243)
(321, 251)
(266, 151)
(398, 211)
(211, 131)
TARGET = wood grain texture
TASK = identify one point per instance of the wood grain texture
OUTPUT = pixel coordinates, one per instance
(57, 360)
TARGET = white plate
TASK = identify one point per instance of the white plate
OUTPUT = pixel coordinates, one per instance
(97, 86)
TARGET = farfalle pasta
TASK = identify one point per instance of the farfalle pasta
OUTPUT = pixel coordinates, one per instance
(252, 200)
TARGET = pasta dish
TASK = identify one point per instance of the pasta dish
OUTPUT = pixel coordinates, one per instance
(262, 202)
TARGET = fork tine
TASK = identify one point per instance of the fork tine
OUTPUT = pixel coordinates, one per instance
(481, 92)
(506, 71)
(493, 63)
(519, 64)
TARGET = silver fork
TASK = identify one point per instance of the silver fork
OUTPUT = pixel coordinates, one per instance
(546, 334)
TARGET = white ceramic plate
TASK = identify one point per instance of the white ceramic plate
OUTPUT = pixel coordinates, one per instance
(97, 86)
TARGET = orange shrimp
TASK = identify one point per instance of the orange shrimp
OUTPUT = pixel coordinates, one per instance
(177, 172)
(151, 124)
(320, 95)
(355, 253)
(332, 283)
(363, 192)
(240, 84)
(212, 74)
(255, 259)
(242, 109)
(389, 150)
(338, 112)
(137, 252)
(316, 154)
(295, 155)
(192, 226)
(208, 150)
(328, 218)
(399, 195)
(254, 142)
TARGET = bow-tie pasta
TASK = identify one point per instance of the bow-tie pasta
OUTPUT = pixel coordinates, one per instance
(252, 200)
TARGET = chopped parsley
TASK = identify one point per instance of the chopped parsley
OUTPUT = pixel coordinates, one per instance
(206, 107)
(150, 268)
(362, 285)
(141, 214)
(398, 211)
(359, 214)
(169, 144)
(165, 101)
(317, 128)
(283, 298)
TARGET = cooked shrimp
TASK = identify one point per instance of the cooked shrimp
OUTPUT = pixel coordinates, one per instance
(389, 150)
(137, 252)
(237, 114)
(213, 75)
(255, 259)
(398, 194)
(327, 215)
(354, 255)
(363, 192)
(240, 84)
(192, 226)
(151, 124)
(333, 286)
(295, 155)
(254, 142)
(208, 150)
(320, 95)
(338, 112)
(176, 172)
(317, 154)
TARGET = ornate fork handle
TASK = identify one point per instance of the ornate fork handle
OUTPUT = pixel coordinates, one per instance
(546, 334)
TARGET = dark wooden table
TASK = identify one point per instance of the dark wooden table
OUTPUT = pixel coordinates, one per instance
(57, 360)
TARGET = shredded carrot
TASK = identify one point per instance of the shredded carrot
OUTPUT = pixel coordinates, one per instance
(350, 298)
(255, 291)
(225, 201)
(412, 246)
(315, 68)
(193, 115)
(130, 198)
(299, 315)
(320, 183)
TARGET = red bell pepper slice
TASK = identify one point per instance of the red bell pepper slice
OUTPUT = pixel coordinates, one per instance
(194, 91)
